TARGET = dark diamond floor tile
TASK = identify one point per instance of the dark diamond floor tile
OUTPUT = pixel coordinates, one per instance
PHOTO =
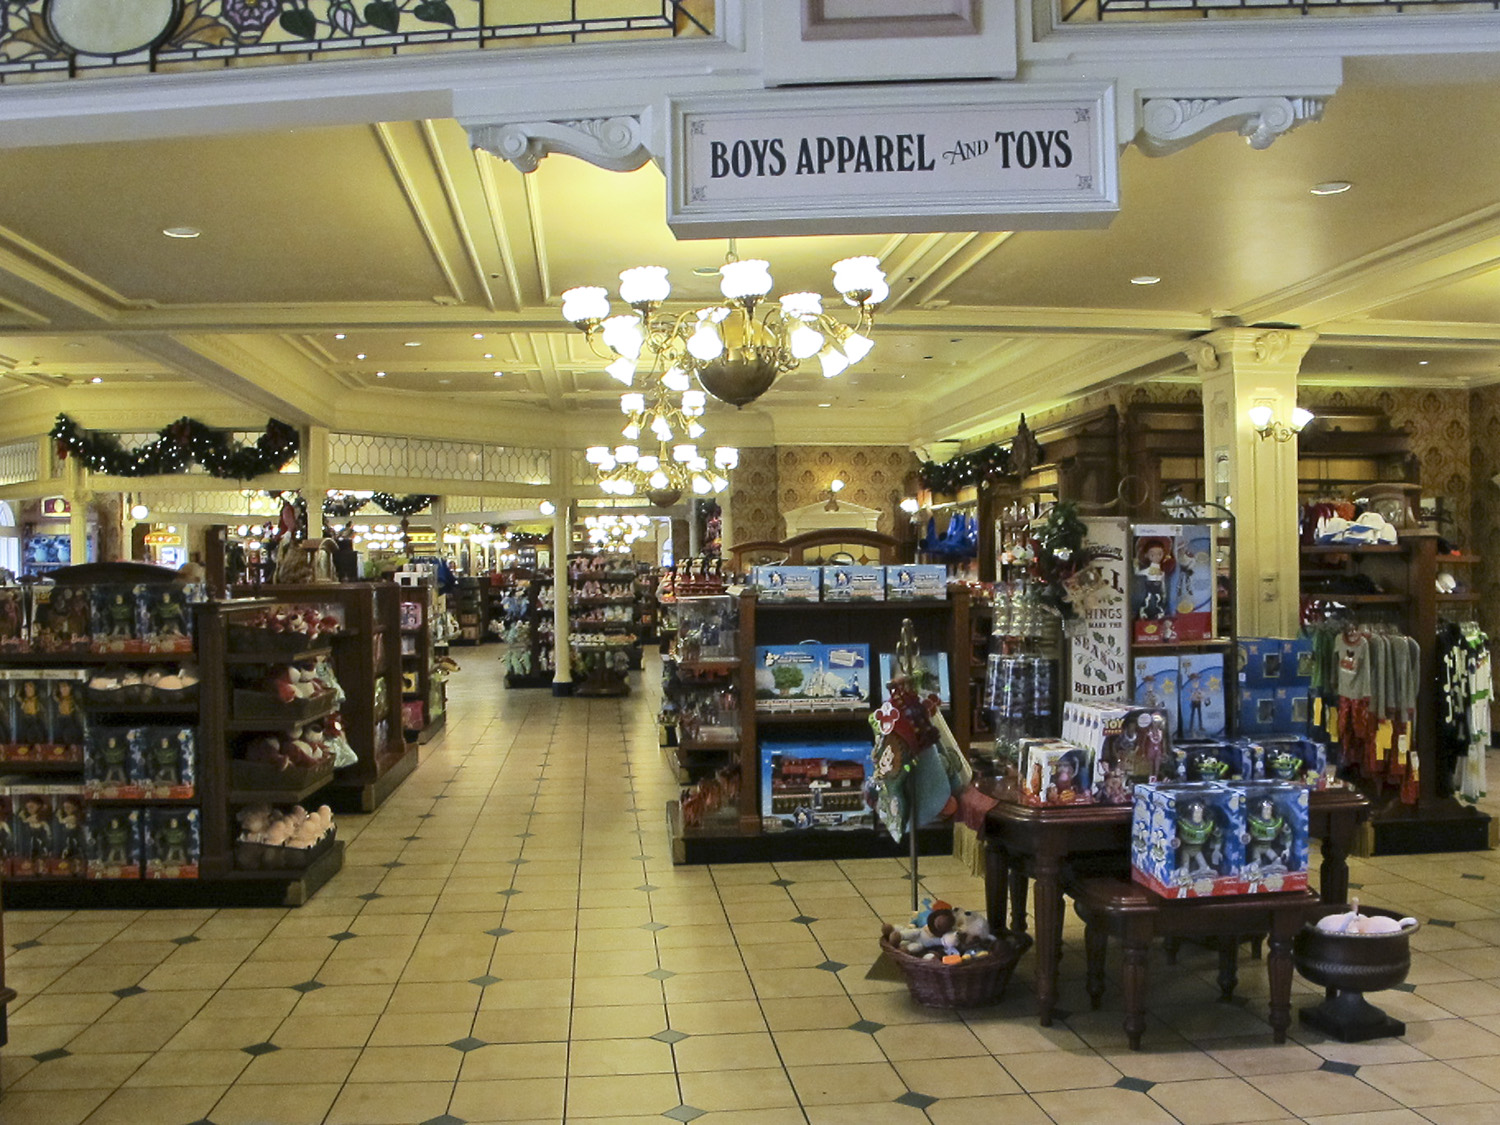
(343, 935)
(188, 939)
(484, 981)
(524, 835)
(395, 863)
(499, 931)
(670, 1036)
(133, 990)
(1443, 922)
(1404, 987)
(1356, 886)
(1339, 1067)
(831, 966)
(369, 896)
(642, 858)
(915, 1100)
(518, 861)
(411, 837)
(32, 944)
(652, 926)
(783, 882)
(445, 1119)
(685, 1113)
(869, 1027)
(648, 887)
(258, 1049)
(1139, 1085)
(508, 892)
(308, 986)
(661, 974)
(1466, 875)
(55, 1053)
(467, 1043)
(804, 919)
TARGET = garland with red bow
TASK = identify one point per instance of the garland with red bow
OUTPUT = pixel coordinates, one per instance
(176, 447)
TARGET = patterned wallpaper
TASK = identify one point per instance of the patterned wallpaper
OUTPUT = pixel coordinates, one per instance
(773, 480)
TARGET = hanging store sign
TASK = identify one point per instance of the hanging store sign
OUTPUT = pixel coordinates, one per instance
(1099, 642)
(877, 160)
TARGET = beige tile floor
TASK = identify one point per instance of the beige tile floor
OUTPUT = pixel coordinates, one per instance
(511, 942)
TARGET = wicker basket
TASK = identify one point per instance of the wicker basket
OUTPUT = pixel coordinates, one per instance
(970, 984)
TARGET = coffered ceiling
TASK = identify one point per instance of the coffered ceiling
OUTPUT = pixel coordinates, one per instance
(388, 278)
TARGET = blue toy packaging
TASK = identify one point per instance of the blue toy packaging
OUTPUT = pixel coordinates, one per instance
(854, 583)
(1260, 661)
(113, 842)
(114, 766)
(931, 677)
(1257, 714)
(170, 761)
(915, 580)
(173, 844)
(1297, 662)
(787, 583)
(1156, 682)
(814, 785)
(1201, 697)
(1276, 848)
(812, 677)
(1187, 840)
(1303, 760)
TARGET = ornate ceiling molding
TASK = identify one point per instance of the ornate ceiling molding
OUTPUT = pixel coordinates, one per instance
(614, 143)
(1171, 124)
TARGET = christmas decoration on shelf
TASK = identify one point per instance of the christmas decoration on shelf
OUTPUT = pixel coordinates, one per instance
(984, 464)
(176, 447)
(1067, 570)
(342, 505)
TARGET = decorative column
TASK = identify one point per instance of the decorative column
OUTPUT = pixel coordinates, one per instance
(1255, 477)
(314, 461)
(77, 493)
(562, 523)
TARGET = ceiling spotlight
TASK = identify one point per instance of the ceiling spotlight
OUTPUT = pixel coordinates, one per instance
(96, 379)
(489, 355)
(1331, 187)
(181, 232)
(1145, 279)
(360, 355)
(413, 343)
(445, 380)
(380, 374)
(1422, 362)
(825, 404)
(498, 374)
(340, 335)
(479, 335)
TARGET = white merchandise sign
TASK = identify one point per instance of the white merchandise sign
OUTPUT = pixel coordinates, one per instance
(1099, 643)
(956, 157)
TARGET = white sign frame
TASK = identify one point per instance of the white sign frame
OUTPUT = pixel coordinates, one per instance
(966, 179)
(1099, 647)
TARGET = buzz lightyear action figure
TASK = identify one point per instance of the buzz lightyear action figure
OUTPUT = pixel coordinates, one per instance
(1270, 835)
(1199, 840)
(174, 838)
(116, 841)
(164, 761)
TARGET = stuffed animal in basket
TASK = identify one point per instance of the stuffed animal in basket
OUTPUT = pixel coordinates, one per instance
(941, 930)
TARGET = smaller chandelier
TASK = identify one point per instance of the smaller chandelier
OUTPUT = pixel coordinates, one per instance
(665, 476)
(735, 356)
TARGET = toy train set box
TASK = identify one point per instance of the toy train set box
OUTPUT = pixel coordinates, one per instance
(814, 785)
(812, 677)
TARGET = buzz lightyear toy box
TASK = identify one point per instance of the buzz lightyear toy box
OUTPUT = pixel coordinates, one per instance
(1187, 840)
(1276, 828)
(113, 841)
(173, 844)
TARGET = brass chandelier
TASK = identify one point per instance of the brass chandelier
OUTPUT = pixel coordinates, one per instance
(735, 356)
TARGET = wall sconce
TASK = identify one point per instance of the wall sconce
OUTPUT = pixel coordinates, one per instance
(910, 506)
(835, 486)
(1263, 418)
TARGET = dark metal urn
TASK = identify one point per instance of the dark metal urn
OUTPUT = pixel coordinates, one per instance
(1349, 965)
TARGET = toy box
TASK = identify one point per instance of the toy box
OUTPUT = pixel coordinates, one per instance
(1297, 662)
(166, 610)
(1187, 839)
(1303, 760)
(61, 618)
(172, 844)
(814, 785)
(1207, 760)
(787, 583)
(170, 758)
(1193, 583)
(30, 717)
(113, 842)
(118, 621)
(7, 720)
(1054, 772)
(1276, 845)
(1257, 713)
(1260, 661)
(1293, 710)
(910, 581)
(67, 857)
(1153, 553)
(931, 677)
(1129, 744)
(67, 722)
(7, 829)
(812, 677)
(33, 815)
(114, 764)
(14, 634)
(1156, 683)
(1201, 695)
(854, 583)
(707, 628)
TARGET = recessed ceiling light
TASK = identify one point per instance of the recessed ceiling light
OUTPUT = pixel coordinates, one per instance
(380, 374)
(489, 355)
(1422, 362)
(181, 232)
(498, 374)
(1145, 279)
(414, 343)
(445, 380)
(96, 379)
(1331, 187)
(825, 404)
(73, 344)
(339, 335)
(360, 355)
(479, 335)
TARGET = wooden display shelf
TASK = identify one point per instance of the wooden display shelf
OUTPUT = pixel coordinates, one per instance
(39, 766)
(284, 722)
(1460, 560)
(1316, 549)
(1469, 598)
(28, 659)
(159, 802)
(314, 653)
(1143, 649)
(857, 606)
(783, 718)
(140, 708)
(733, 840)
(292, 796)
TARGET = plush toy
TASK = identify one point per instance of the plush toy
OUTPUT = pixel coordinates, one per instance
(294, 827)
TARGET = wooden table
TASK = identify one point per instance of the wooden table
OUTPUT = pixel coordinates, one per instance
(1023, 842)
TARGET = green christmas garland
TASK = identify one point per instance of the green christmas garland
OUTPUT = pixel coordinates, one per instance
(176, 447)
(342, 507)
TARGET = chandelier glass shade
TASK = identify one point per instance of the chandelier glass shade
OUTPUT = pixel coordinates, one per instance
(735, 353)
(615, 532)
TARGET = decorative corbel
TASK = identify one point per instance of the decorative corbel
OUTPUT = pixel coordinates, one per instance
(1169, 125)
(614, 143)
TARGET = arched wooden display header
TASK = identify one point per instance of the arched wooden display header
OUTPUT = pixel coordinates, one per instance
(818, 548)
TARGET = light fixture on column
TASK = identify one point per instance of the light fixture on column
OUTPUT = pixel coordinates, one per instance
(910, 506)
(1263, 418)
(547, 508)
(735, 356)
(138, 510)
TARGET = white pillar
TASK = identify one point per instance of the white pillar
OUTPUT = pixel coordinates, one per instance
(1256, 477)
(314, 461)
(562, 523)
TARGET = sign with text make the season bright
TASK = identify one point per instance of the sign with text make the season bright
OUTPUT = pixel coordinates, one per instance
(874, 159)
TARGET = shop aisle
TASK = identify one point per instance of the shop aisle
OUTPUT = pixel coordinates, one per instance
(509, 941)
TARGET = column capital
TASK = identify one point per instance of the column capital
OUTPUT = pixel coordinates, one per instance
(1250, 349)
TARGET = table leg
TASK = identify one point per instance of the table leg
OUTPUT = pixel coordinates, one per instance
(1096, 945)
(1047, 909)
(996, 876)
(1333, 875)
(1279, 969)
(1018, 898)
(1136, 945)
(1229, 969)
